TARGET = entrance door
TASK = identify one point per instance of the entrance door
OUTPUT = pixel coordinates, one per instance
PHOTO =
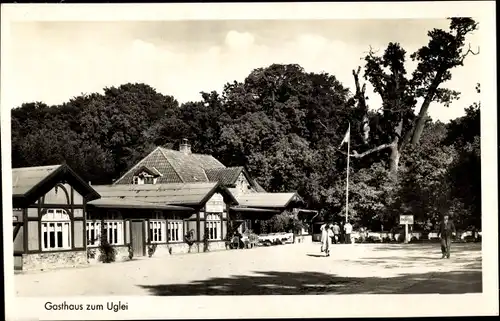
(137, 233)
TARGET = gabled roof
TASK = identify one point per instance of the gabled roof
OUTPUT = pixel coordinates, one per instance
(226, 176)
(29, 183)
(151, 171)
(257, 187)
(189, 194)
(174, 166)
(268, 200)
(116, 202)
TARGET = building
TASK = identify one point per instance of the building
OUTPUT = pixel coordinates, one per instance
(144, 215)
(181, 170)
(170, 202)
(49, 208)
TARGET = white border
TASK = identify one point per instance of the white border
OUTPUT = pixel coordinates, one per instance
(272, 306)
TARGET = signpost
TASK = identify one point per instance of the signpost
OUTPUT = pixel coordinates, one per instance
(406, 220)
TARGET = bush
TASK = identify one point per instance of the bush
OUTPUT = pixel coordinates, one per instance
(206, 242)
(91, 253)
(189, 239)
(130, 251)
(107, 251)
(151, 249)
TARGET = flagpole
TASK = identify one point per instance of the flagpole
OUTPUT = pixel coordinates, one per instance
(347, 180)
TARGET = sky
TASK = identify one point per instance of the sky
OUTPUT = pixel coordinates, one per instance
(55, 61)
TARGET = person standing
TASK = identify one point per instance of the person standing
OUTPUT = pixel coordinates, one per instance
(336, 233)
(446, 230)
(325, 240)
(348, 231)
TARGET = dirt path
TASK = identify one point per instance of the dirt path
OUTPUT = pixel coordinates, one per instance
(287, 269)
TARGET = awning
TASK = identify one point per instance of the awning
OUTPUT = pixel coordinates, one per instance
(109, 202)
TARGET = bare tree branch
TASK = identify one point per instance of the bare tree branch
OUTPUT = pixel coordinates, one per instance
(321, 123)
(370, 151)
(469, 51)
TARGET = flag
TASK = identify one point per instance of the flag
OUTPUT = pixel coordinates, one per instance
(347, 136)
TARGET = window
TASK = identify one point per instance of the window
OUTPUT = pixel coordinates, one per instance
(213, 224)
(56, 231)
(113, 230)
(149, 180)
(157, 231)
(143, 178)
(175, 231)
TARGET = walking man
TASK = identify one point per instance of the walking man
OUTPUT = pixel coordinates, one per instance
(336, 233)
(348, 231)
(325, 240)
(446, 230)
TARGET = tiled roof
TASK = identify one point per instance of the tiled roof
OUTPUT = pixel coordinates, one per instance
(116, 202)
(226, 176)
(258, 188)
(180, 193)
(156, 160)
(174, 166)
(186, 165)
(207, 161)
(266, 200)
(25, 178)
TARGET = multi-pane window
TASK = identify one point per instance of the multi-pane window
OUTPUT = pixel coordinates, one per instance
(213, 224)
(158, 231)
(113, 230)
(149, 180)
(175, 231)
(143, 179)
(56, 231)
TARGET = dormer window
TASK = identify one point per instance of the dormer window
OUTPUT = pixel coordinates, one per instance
(144, 179)
(145, 175)
(149, 180)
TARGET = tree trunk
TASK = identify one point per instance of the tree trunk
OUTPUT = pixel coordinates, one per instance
(395, 151)
(419, 126)
(422, 114)
(394, 161)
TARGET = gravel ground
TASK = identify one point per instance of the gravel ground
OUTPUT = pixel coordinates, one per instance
(285, 269)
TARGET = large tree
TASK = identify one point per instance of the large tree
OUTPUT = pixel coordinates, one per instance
(395, 125)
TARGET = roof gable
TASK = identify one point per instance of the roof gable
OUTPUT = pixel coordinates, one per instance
(157, 160)
(29, 183)
(150, 171)
(186, 165)
(268, 200)
(226, 176)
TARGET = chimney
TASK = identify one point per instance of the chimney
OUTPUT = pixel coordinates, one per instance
(185, 147)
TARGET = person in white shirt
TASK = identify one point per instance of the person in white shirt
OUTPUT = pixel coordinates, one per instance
(348, 231)
(325, 240)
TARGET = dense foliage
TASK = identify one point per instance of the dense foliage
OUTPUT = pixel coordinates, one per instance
(284, 125)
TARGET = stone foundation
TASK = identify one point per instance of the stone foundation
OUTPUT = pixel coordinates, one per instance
(53, 260)
(121, 254)
(183, 248)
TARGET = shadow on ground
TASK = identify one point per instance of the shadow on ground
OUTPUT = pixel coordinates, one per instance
(423, 246)
(466, 263)
(293, 283)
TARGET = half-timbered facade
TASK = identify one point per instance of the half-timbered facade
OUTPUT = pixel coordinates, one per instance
(195, 209)
(166, 166)
(49, 209)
